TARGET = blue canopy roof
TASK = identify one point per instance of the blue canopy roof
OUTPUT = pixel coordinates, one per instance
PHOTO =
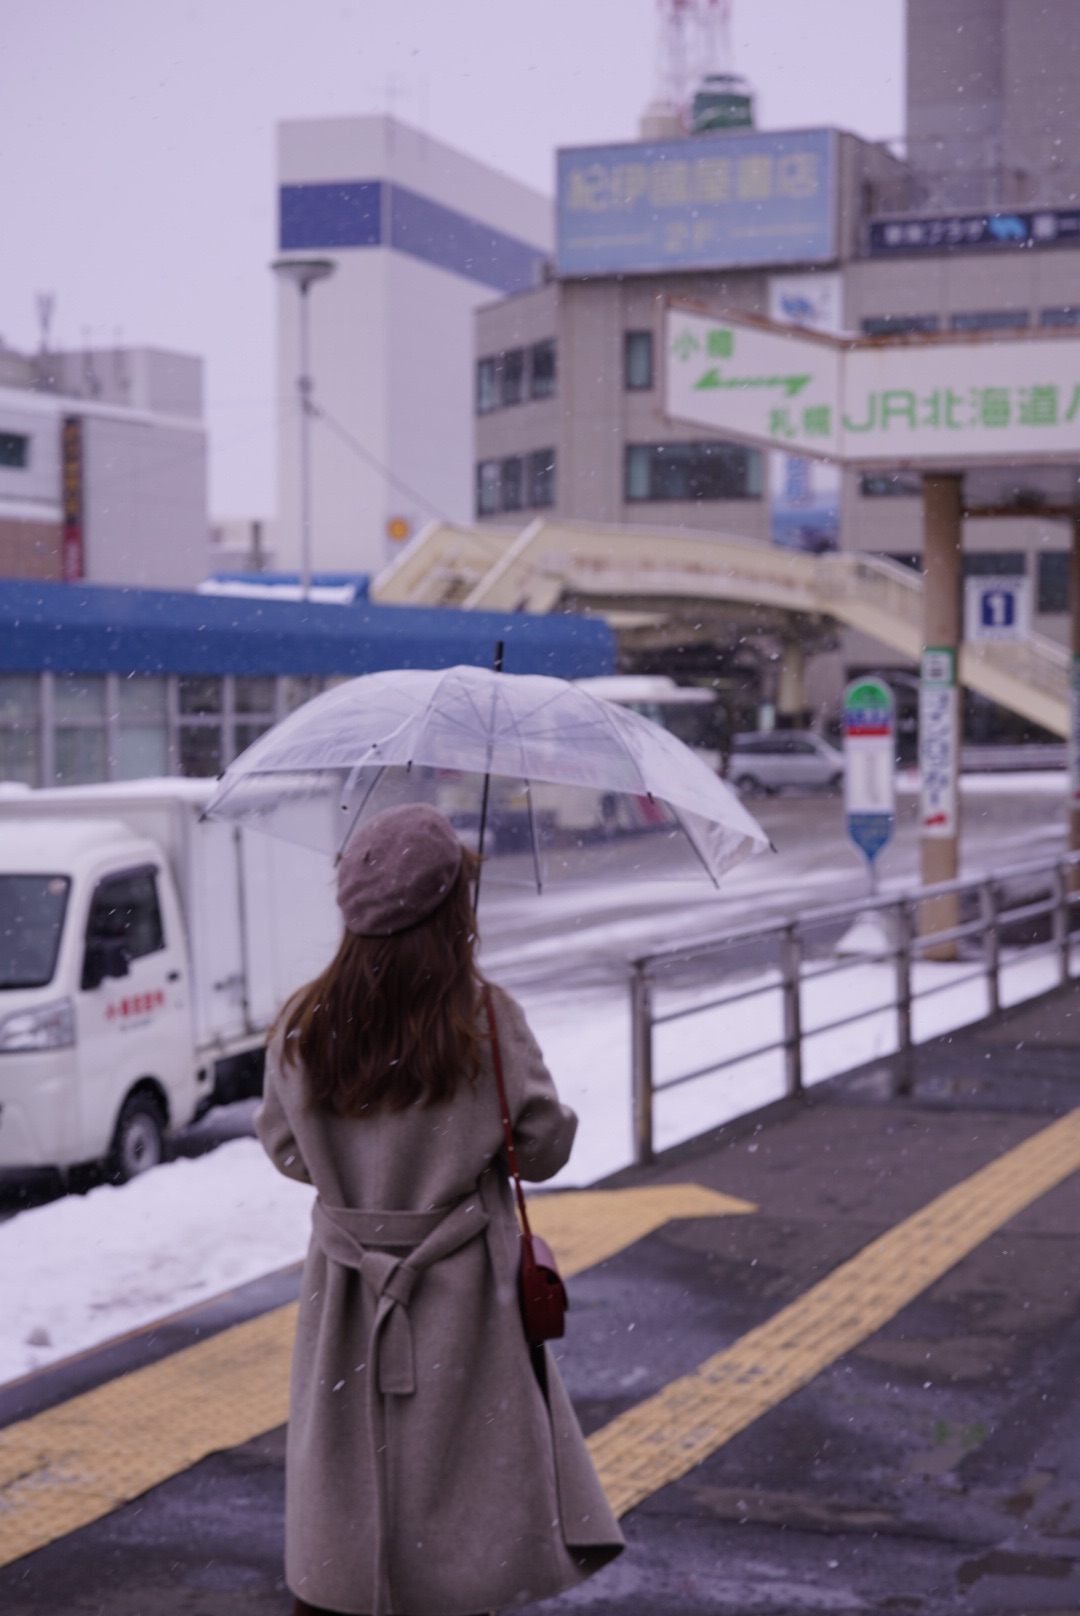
(93, 628)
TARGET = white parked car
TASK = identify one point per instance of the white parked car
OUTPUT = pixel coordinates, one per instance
(780, 759)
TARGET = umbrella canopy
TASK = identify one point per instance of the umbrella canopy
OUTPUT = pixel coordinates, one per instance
(576, 782)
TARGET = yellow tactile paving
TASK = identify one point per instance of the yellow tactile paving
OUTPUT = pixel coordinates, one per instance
(74, 1463)
(665, 1436)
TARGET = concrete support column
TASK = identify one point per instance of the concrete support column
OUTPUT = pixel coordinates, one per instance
(791, 689)
(939, 700)
(1074, 699)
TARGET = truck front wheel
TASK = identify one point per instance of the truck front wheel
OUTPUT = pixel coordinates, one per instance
(139, 1141)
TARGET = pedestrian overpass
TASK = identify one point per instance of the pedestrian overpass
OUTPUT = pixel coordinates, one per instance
(635, 576)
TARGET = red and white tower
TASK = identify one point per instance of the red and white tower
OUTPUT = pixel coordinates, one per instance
(695, 43)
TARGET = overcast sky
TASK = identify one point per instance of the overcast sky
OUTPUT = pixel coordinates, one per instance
(136, 142)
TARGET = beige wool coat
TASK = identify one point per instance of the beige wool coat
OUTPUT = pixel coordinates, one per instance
(426, 1471)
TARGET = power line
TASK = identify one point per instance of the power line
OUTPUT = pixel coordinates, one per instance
(371, 460)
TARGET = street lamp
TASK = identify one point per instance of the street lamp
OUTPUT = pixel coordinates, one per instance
(304, 272)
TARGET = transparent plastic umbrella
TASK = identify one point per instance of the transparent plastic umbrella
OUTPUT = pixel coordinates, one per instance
(576, 787)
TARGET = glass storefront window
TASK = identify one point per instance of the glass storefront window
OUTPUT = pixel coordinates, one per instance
(142, 752)
(20, 699)
(141, 697)
(199, 696)
(79, 696)
(200, 750)
(80, 754)
(246, 734)
(19, 755)
(254, 695)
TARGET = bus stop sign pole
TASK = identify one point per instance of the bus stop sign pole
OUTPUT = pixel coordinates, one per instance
(870, 768)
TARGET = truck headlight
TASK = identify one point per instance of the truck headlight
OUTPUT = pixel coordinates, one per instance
(51, 1026)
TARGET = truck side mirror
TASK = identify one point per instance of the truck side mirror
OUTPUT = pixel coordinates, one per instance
(105, 956)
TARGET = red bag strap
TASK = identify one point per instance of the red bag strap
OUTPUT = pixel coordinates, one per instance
(508, 1133)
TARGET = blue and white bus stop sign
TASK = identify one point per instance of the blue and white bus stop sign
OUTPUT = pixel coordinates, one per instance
(869, 773)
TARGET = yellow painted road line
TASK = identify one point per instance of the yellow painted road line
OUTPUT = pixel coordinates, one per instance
(75, 1463)
(664, 1437)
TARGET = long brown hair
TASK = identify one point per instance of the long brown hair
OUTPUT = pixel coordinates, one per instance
(391, 1022)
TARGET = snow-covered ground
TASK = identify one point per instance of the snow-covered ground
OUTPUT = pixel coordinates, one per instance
(84, 1269)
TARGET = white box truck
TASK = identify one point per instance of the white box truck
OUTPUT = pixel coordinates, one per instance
(144, 951)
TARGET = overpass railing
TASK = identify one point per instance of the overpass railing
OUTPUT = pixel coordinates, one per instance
(779, 1007)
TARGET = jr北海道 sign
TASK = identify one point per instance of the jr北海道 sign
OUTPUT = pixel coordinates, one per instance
(927, 401)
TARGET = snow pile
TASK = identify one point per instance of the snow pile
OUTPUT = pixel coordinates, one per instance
(87, 1268)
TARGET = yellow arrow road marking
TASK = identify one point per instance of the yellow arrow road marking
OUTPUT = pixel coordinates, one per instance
(583, 1227)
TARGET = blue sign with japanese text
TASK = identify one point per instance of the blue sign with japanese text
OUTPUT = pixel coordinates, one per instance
(707, 201)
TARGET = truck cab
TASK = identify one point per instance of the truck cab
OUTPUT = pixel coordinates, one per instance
(96, 1036)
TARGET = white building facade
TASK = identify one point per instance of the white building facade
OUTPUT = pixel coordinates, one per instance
(420, 236)
(103, 468)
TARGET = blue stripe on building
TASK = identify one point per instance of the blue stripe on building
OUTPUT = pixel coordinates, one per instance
(80, 628)
(346, 215)
(371, 213)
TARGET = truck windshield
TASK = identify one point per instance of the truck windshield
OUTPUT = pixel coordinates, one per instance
(31, 920)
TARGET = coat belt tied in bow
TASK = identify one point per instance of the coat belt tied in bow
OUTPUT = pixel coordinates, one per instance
(366, 1241)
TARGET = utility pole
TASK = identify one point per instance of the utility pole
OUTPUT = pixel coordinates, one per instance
(304, 272)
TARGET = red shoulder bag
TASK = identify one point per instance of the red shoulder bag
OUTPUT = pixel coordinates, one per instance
(541, 1290)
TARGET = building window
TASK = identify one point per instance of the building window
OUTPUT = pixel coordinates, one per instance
(692, 471)
(1069, 315)
(543, 370)
(487, 386)
(638, 361)
(995, 564)
(890, 484)
(991, 320)
(79, 718)
(201, 705)
(142, 740)
(542, 478)
(893, 325)
(253, 703)
(513, 483)
(20, 733)
(488, 488)
(14, 450)
(1053, 595)
(513, 376)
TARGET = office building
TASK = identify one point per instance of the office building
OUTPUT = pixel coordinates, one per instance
(815, 228)
(419, 236)
(993, 119)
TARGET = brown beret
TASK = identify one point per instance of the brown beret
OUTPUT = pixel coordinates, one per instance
(397, 870)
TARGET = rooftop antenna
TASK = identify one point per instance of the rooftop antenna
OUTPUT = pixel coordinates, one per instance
(695, 42)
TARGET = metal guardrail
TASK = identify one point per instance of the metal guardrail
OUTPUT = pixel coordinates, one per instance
(1026, 900)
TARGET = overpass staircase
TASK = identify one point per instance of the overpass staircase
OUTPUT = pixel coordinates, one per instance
(646, 570)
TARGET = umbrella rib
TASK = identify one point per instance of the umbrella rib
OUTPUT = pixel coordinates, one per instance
(356, 817)
(697, 850)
